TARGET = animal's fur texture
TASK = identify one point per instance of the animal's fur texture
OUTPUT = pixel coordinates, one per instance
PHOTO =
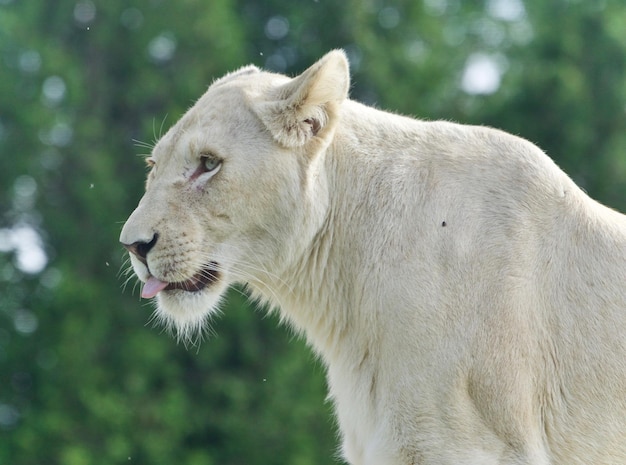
(467, 298)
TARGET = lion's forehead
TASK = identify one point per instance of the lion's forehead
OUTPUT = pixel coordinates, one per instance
(222, 115)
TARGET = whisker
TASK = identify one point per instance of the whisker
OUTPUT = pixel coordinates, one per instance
(142, 144)
(161, 127)
(123, 270)
(237, 269)
(264, 271)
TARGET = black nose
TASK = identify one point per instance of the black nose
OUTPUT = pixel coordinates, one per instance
(140, 249)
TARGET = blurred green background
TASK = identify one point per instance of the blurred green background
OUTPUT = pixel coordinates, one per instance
(84, 377)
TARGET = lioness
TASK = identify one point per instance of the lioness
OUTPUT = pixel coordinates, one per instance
(468, 299)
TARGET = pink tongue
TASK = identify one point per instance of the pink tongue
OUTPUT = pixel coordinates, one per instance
(152, 287)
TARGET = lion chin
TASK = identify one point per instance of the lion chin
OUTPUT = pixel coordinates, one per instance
(186, 314)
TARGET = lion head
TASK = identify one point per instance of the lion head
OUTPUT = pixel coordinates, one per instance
(236, 188)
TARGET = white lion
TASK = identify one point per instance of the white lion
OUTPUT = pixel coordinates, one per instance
(468, 299)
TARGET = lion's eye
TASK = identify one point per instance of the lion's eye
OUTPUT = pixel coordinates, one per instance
(210, 163)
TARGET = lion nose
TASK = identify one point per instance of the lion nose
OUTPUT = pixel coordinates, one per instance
(140, 248)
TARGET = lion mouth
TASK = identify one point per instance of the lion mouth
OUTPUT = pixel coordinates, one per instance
(207, 275)
(203, 278)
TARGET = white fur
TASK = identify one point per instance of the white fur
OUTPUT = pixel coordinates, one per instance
(468, 299)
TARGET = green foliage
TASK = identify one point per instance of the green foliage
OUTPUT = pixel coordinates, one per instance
(86, 85)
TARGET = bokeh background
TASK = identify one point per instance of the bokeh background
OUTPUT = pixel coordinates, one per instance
(86, 85)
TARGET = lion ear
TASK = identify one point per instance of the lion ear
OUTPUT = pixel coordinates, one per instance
(306, 106)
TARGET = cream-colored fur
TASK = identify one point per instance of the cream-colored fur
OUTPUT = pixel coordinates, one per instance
(468, 300)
